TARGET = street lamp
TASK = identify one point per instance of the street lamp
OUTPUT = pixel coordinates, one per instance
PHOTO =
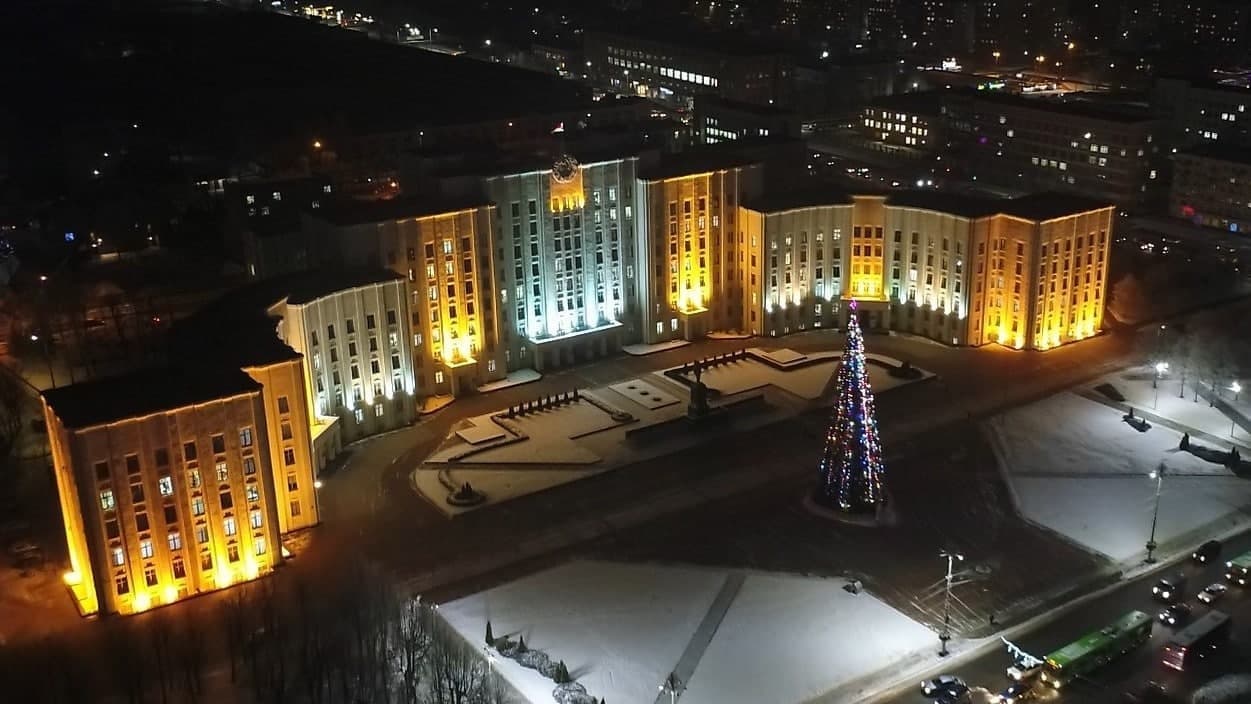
(1158, 476)
(671, 686)
(1237, 389)
(945, 635)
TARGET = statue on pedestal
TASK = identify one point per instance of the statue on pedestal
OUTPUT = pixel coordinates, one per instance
(699, 395)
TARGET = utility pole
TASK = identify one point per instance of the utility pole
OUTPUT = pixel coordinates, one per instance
(1158, 476)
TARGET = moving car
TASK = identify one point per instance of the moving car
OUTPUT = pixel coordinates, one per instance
(1212, 592)
(941, 684)
(1021, 673)
(1175, 614)
(1170, 589)
(958, 694)
(1207, 552)
(1018, 692)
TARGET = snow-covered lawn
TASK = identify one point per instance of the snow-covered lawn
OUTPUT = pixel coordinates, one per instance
(644, 394)
(498, 484)
(1081, 471)
(622, 628)
(807, 382)
(1135, 386)
(790, 639)
(619, 628)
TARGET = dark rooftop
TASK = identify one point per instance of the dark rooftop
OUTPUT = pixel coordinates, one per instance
(147, 391)
(242, 317)
(704, 102)
(1036, 206)
(776, 201)
(364, 212)
(1222, 152)
(1124, 113)
(696, 161)
(924, 102)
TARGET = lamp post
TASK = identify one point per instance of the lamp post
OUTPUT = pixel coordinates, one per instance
(945, 634)
(1160, 368)
(671, 685)
(1158, 476)
(1236, 388)
(47, 357)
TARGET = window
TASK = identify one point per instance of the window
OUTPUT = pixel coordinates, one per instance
(227, 500)
(330, 332)
(111, 529)
(119, 556)
(359, 414)
(283, 407)
(107, 502)
(229, 527)
(175, 540)
(171, 515)
(288, 456)
(391, 317)
(245, 437)
(206, 562)
(351, 326)
(258, 545)
(223, 471)
(255, 518)
(438, 377)
(136, 493)
(122, 584)
(292, 485)
(219, 444)
(295, 509)
(378, 410)
(102, 471)
(285, 429)
(166, 485)
(253, 493)
(201, 534)
(149, 576)
(146, 551)
(197, 506)
(232, 553)
(132, 464)
(193, 478)
(141, 521)
(249, 465)
(178, 569)
(352, 349)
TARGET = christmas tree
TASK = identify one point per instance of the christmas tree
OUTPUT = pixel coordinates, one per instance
(851, 464)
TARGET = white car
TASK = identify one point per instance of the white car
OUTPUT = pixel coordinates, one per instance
(1212, 592)
(940, 684)
(1021, 673)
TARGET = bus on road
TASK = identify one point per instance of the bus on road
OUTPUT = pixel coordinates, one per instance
(1197, 641)
(1238, 570)
(1096, 649)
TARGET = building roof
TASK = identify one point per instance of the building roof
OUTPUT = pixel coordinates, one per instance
(1231, 153)
(366, 212)
(779, 200)
(1035, 206)
(242, 317)
(922, 103)
(1124, 113)
(144, 392)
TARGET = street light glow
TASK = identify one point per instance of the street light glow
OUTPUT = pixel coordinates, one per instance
(1235, 387)
(317, 484)
(1161, 367)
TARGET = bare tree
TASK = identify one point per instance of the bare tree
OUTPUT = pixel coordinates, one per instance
(190, 651)
(235, 622)
(12, 398)
(1128, 303)
(457, 673)
(415, 624)
(160, 639)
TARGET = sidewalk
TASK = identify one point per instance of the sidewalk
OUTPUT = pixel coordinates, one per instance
(644, 350)
(517, 378)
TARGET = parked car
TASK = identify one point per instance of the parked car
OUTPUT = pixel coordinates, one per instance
(1019, 692)
(1176, 614)
(940, 684)
(1022, 673)
(1212, 592)
(1170, 589)
(1207, 552)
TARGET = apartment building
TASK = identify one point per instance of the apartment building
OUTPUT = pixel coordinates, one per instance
(1212, 187)
(166, 485)
(911, 120)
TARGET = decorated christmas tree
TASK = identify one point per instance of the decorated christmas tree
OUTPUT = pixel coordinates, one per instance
(851, 464)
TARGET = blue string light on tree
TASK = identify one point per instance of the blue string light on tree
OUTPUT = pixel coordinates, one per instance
(851, 469)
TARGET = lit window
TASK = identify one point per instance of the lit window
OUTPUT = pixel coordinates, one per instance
(253, 493)
(193, 478)
(438, 377)
(256, 518)
(228, 526)
(258, 545)
(197, 506)
(122, 584)
(245, 437)
(288, 456)
(107, 502)
(249, 465)
(146, 551)
(166, 485)
(175, 541)
(378, 410)
(223, 471)
(119, 557)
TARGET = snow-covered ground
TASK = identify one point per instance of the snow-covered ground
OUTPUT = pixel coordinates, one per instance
(1078, 469)
(619, 628)
(622, 628)
(807, 382)
(1135, 385)
(790, 639)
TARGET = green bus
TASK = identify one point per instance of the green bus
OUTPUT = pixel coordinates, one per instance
(1094, 650)
(1238, 570)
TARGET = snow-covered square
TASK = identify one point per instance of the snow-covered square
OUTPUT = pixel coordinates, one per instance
(622, 628)
(1077, 468)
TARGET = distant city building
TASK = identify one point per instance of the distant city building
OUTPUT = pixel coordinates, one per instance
(1203, 111)
(1212, 187)
(1109, 152)
(1026, 273)
(906, 120)
(676, 69)
(721, 120)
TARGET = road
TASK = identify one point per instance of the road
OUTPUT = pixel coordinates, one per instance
(1129, 673)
